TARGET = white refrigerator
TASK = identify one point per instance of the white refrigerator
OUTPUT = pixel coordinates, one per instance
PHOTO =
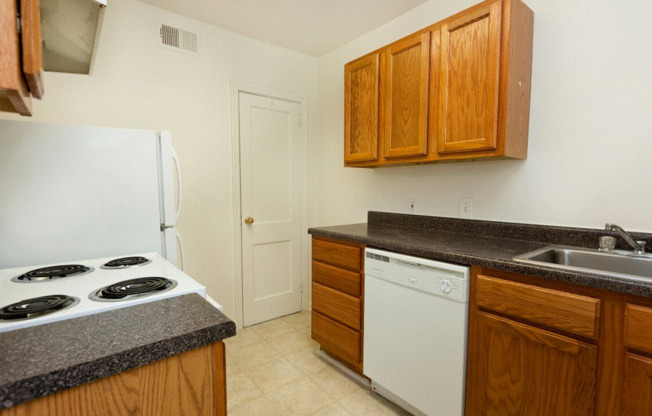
(78, 192)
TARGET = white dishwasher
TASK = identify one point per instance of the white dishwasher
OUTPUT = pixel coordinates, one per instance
(415, 331)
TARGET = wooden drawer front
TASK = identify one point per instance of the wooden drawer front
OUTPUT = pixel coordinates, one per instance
(336, 338)
(638, 327)
(565, 311)
(337, 305)
(336, 278)
(347, 257)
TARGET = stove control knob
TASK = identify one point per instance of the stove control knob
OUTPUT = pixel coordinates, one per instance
(446, 286)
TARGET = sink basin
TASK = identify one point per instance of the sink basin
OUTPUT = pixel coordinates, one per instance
(617, 263)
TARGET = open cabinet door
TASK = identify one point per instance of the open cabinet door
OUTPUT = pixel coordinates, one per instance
(32, 50)
(14, 94)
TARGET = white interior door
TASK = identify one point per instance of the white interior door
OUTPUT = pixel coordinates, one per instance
(270, 182)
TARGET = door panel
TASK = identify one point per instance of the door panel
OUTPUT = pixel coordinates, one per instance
(407, 96)
(361, 80)
(637, 388)
(469, 75)
(271, 187)
(522, 370)
(270, 160)
(270, 281)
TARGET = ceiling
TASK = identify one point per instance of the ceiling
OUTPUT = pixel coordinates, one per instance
(314, 27)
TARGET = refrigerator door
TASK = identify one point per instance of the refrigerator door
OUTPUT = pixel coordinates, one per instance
(74, 192)
(173, 246)
(170, 183)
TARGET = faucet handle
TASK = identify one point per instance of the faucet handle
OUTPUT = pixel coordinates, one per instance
(607, 243)
(642, 244)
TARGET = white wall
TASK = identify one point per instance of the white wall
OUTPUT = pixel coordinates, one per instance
(136, 84)
(590, 148)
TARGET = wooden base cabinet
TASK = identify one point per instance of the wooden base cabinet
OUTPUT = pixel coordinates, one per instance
(338, 299)
(192, 383)
(637, 384)
(540, 347)
(527, 370)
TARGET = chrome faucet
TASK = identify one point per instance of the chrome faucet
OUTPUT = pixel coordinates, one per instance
(636, 245)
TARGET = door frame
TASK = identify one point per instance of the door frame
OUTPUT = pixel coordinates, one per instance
(236, 89)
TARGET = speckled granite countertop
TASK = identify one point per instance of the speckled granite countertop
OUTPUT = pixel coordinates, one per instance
(44, 359)
(481, 243)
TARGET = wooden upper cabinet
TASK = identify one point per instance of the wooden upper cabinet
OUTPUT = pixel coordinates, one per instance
(14, 93)
(361, 107)
(406, 96)
(524, 370)
(32, 50)
(469, 80)
(458, 89)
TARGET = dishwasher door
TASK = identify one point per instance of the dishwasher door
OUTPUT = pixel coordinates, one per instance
(415, 331)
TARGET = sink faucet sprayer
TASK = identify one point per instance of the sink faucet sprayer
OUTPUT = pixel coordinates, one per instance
(638, 246)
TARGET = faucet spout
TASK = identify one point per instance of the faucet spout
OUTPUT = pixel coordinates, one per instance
(638, 249)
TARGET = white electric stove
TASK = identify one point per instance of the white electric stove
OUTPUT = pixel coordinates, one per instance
(42, 294)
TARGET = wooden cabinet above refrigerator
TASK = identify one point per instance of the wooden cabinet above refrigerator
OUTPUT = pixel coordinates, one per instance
(21, 63)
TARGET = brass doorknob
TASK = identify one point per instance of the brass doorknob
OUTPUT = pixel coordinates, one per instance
(249, 220)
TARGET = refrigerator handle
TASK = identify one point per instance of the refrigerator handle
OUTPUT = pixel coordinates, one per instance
(175, 159)
(177, 236)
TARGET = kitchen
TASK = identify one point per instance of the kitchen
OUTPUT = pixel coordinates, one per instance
(589, 83)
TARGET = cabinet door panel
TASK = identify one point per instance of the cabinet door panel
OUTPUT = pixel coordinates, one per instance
(406, 112)
(522, 370)
(361, 109)
(338, 255)
(637, 388)
(469, 77)
(638, 327)
(336, 278)
(14, 94)
(337, 339)
(336, 305)
(552, 308)
(31, 45)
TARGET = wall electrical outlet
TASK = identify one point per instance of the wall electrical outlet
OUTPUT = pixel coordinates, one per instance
(412, 205)
(466, 208)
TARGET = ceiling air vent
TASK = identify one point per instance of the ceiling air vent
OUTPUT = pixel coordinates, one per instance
(176, 39)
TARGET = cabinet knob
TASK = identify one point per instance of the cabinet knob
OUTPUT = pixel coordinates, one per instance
(249, 220)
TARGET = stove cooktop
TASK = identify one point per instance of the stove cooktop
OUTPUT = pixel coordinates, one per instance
(126, 286)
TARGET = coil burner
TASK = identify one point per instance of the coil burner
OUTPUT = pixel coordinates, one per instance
(133, 288)
(35, 307)
(125, 262)
(52, 273)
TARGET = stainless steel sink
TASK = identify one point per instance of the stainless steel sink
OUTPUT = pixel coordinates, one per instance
(616, 263)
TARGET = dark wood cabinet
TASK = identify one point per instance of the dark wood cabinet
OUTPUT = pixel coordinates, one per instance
(458, 89)
(542, 347)
(361, 109)
(192, 383)
(406, 96)
(338, 299)
(469, 80)
(525, 370)
(21, 63)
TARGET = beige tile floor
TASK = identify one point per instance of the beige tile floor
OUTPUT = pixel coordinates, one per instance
(273, 369)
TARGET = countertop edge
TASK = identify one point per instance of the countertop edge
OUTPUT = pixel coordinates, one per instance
(598, 281)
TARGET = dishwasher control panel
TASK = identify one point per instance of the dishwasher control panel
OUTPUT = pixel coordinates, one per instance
(430, 276)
